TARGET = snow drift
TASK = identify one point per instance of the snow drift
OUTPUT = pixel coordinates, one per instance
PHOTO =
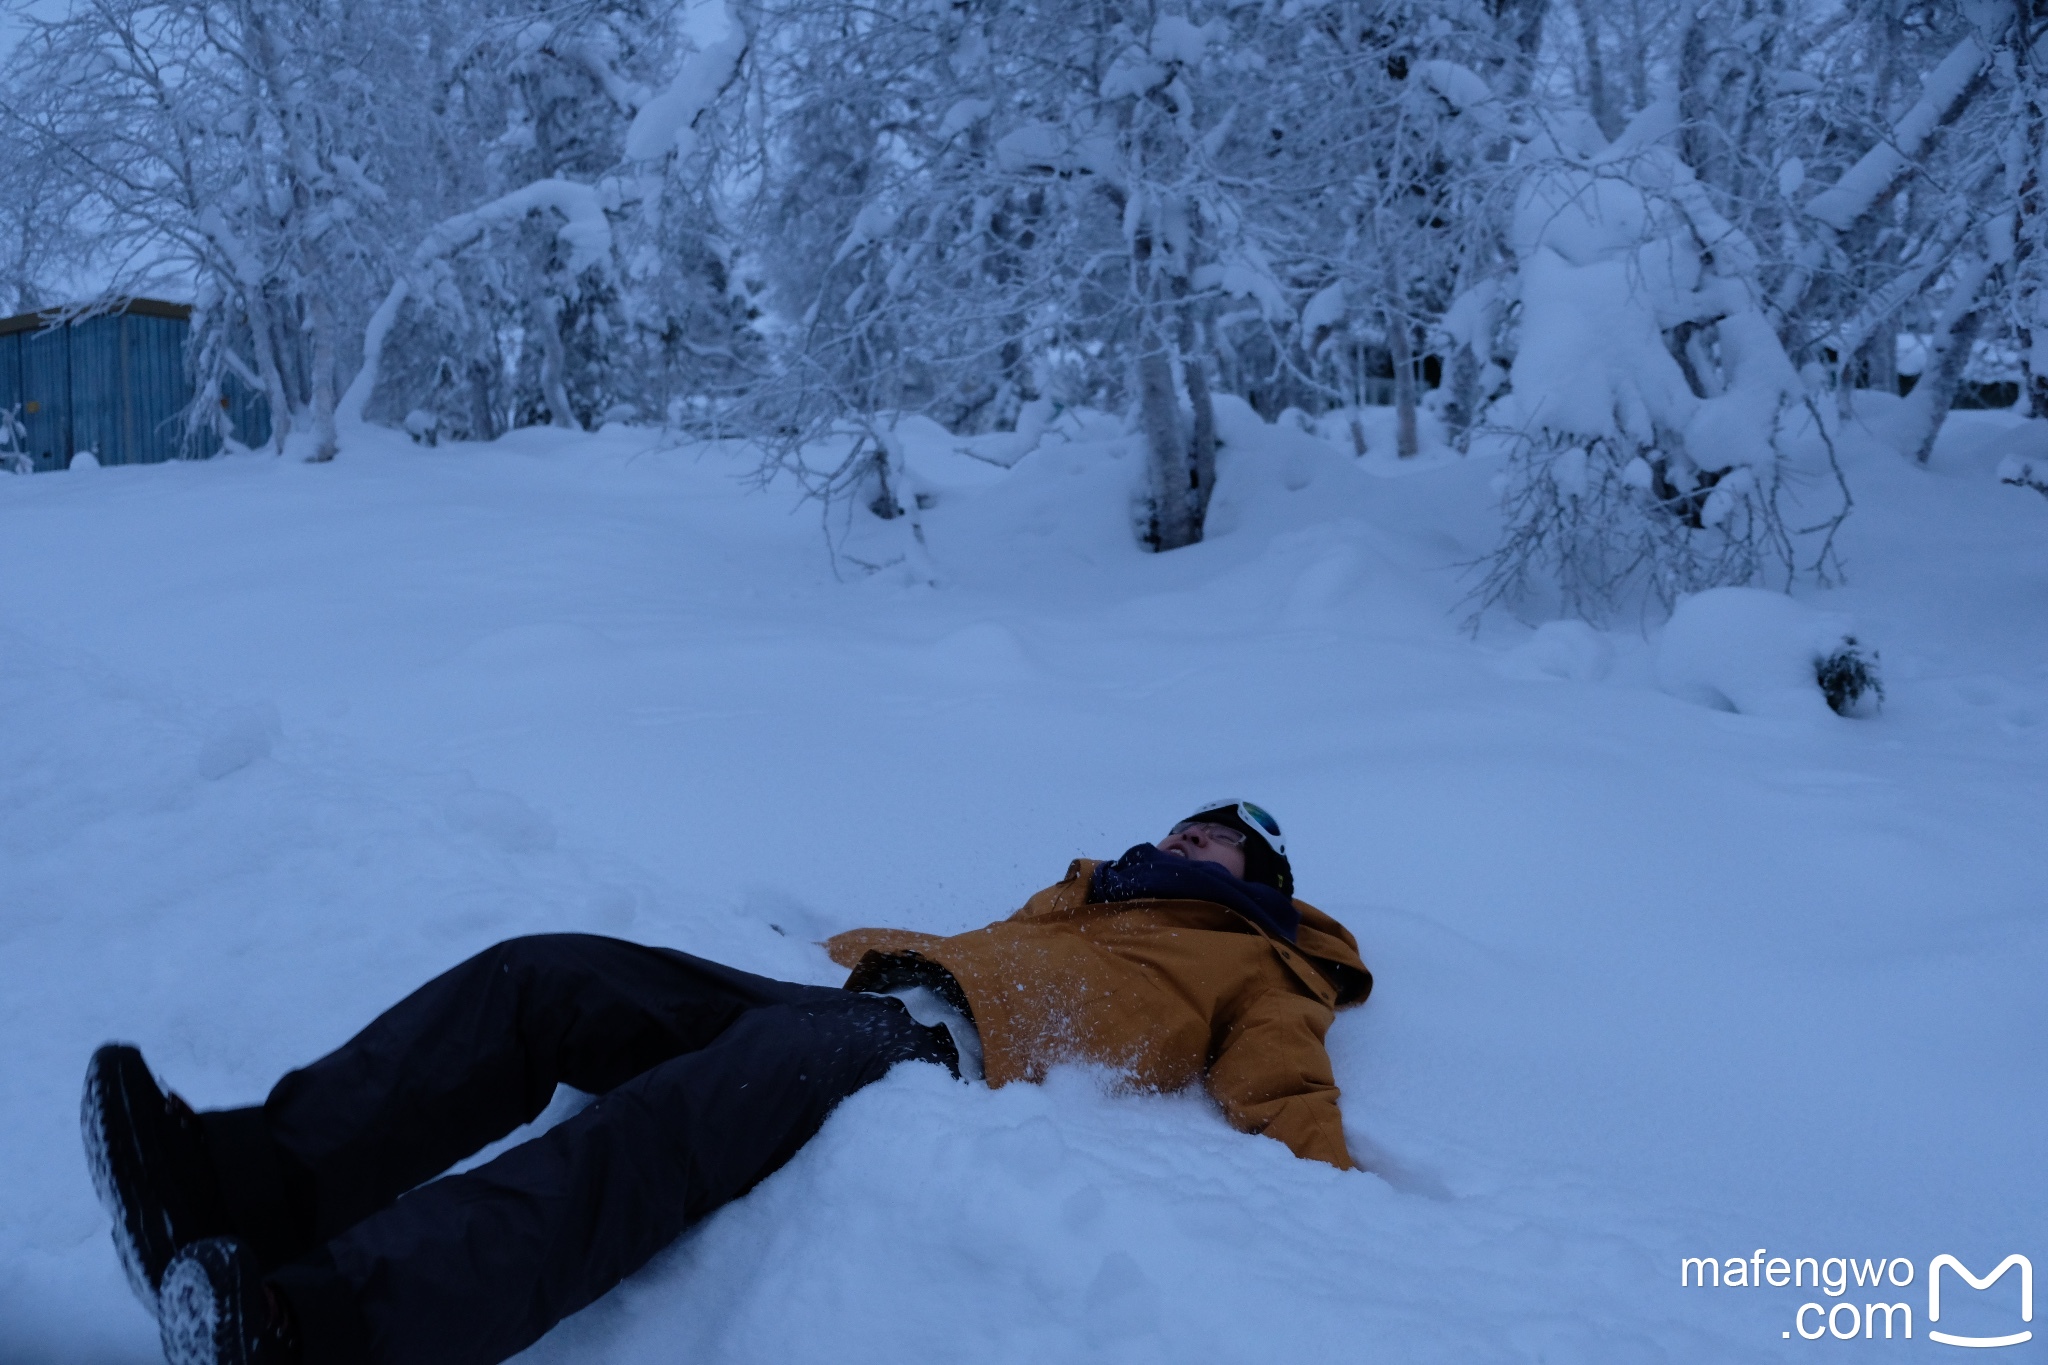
(1756, 652)
(281, 741)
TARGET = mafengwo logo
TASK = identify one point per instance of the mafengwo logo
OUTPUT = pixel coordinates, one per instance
(1847, 1316)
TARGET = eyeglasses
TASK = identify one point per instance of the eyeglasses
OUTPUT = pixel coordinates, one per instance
(1255, 817)
(1215, 834)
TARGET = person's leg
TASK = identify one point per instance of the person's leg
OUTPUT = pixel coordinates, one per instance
(456, 1065)
(474, 1267)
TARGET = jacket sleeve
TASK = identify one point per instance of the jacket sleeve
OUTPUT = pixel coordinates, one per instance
(1272, 1075)
(1062, 897)
(849, 948)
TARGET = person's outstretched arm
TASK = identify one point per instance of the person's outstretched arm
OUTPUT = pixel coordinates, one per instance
(1272, 1075)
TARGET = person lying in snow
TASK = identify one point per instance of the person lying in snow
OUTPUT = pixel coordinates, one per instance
(312, 1229)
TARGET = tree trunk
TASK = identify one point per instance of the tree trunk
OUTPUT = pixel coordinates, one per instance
(1406, 441)
(324, 441)
(1877, 364)
(1166, 450)
(1463, 367)
(553, 363)
(1939, 382)
(2030, 242)
(1202, 453)
(1597, 100)
(263, 345)
(483, 413)
(1955, 333)
(1694, 120)
(1520, 24)
(2033, 377)
(269, 355)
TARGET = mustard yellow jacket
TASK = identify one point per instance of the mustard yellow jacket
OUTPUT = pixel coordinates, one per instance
(1166, 991)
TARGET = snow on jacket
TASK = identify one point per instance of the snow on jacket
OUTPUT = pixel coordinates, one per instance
(1166, 991)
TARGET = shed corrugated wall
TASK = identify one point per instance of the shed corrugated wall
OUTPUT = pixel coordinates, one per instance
(115, 385)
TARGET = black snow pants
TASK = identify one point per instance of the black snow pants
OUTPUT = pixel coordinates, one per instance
(707, 1079)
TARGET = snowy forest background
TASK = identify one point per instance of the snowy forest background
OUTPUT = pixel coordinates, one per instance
(1640, 243)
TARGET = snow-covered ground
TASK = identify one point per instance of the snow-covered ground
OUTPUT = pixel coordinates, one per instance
(1656, 980)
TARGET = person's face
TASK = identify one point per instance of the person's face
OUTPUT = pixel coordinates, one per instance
(1206, 843)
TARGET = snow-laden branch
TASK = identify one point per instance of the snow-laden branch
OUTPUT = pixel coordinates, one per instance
(669, 120)
(585, 231)
(1887, 299)
(1863, 184)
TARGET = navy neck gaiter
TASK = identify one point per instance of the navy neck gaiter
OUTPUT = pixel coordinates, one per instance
(1144, 873)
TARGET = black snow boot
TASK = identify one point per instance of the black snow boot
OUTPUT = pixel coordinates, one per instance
(149, 1163)
(216, 1311)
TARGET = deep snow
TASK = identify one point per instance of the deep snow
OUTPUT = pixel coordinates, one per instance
(1656, 979)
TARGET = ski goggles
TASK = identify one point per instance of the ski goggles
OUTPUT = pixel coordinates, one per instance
(1254, 817)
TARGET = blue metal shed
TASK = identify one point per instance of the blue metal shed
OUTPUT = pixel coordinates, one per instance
(114, 384)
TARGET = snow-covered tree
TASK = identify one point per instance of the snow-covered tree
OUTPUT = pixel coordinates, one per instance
(1386, 139)
(1780, 222)
(806, 218)
(1639, 469)
(517, 324)
(238, 145)
(976, 204)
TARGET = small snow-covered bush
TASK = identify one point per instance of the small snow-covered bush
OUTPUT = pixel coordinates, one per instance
(1595, 527)
(1846, 677)
(1648, 391)
(1762, 654)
